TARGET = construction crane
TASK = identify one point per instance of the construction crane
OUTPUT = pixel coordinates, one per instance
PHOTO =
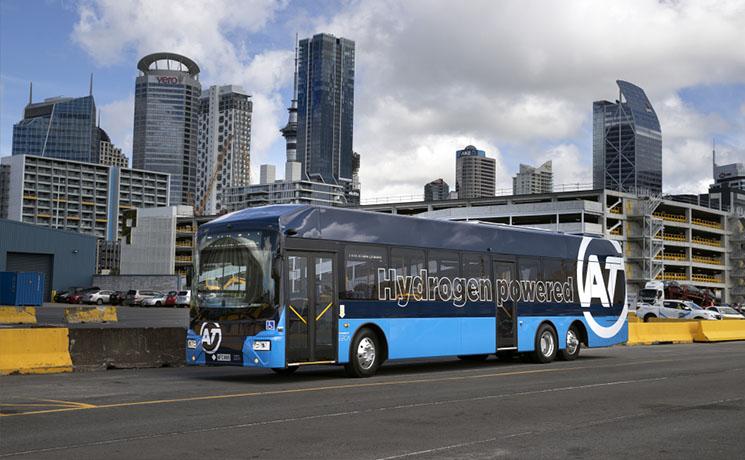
(199, 210)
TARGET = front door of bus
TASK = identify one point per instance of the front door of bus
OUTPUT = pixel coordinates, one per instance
(507, 311)
(310, 318)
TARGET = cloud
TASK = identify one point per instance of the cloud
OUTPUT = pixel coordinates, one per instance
(117, 119)
(570, 169)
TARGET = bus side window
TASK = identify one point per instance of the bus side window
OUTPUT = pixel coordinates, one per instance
(553, 270)
(529, 268)
(443, 264)
(475, 266)
(407, 262)
(361, 271)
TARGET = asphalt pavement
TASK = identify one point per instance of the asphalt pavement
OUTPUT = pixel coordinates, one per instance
(53, 314)
(665, 401)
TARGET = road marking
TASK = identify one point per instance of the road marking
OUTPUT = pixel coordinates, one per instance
(339, 414)
(83, 406)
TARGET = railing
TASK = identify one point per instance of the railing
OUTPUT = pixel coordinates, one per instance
(185, 229)
(706, 241)
(706, 260)
(706, 223)
(183, 258)
(184, 244)
(673, 237)
(672, 277)
(671, 257)
(615, 210)
(669, 217)
(705, 278)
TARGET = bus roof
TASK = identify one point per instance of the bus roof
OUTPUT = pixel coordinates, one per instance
(351, 225)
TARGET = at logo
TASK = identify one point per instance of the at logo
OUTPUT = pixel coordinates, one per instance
(591, 285)
(211, 337)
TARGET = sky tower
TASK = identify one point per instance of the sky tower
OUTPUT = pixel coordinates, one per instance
(293, 167)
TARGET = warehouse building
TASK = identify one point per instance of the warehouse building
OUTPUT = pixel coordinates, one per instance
(67, 259)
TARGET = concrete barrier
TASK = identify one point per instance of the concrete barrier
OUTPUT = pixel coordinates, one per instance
(127, 347)
(661, 332)
(34, 351)
(718, 331)
(17, 315)
(632, 318)
(76, 315)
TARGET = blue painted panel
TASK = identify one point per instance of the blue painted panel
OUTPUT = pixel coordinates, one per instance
(528, 326)
(478, 336)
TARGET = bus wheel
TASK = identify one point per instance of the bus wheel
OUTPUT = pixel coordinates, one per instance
(545, 345)
(364, 356)
(285, 370)
(473, 358)
(571, 352)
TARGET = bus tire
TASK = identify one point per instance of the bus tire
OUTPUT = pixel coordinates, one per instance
(289, 370)
(473, 358)
(364, 355)
(648, 317)
(545, 345)
(573, 345)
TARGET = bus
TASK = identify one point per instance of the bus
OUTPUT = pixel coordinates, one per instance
(285, 286)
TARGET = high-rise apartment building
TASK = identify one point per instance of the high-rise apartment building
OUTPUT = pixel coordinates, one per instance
(108, 153)
(224, 145)
(167, 95)
(475, 173)
(78, 196)
(325, 109)
(436, 190)
(59, 127)
(627, 143)
(531, 180)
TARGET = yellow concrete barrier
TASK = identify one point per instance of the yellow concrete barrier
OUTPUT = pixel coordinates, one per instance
(17, 315)
(657, 332)
(34, 351)
(632, 318)
(717, 331)
(74, 315)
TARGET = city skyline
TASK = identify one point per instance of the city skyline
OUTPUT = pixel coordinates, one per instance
(521, 104)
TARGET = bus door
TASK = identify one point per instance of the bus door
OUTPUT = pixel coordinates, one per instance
(507, 312)
(310, 308)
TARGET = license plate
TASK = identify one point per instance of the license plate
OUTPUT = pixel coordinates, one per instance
(223, 357)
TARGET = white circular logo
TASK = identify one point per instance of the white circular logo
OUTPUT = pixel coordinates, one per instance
(211, 337)
(592, 285)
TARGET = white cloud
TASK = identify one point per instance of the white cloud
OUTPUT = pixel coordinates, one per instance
(569, 167)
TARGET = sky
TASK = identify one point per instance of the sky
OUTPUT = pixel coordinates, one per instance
(514, 78)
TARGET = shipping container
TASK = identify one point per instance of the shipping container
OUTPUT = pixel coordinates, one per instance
(21, 288)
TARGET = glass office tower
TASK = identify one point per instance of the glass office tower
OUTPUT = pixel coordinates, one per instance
(325, 108)
(627, 143)
(167, 95)
(61, 127)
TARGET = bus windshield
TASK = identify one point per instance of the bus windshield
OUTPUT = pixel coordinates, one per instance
(235, 271)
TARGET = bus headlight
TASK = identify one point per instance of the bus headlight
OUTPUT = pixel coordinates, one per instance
(262, 345)
(191, 343)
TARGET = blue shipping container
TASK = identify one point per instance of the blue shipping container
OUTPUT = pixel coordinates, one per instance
(21, 288)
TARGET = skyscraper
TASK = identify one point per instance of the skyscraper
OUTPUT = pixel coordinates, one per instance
(224, 145)
(533, 180)
(108, 153)
(475, 173)
(627, 143)
(436, 190)
(325, 108)
(59, 127)
(167, 95)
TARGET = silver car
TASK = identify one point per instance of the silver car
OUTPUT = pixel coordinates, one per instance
(99, 297)
(157, 299)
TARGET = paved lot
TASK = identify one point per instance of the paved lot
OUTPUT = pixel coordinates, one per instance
(676, 401)
(53, 314)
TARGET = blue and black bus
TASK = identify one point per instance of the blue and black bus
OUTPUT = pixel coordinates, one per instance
(291, 285)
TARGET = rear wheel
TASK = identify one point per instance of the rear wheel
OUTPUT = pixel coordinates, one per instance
(158, 304)
(365, 355)
(648, 317)
(571, 352)
(99, 301)
(473, 358)
(545, 345)
(285, 370)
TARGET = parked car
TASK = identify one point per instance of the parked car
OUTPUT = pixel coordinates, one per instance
(62, 296)
(675, 309)
(77, 296)
(183, 299)
(99, 297)
(155, 300)
(171, 299)
(135, 297)
(117, 298)
(727, 312)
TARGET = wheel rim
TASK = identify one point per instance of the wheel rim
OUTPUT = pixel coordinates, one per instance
(366, 353)
(547, 343)
(572, 342)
